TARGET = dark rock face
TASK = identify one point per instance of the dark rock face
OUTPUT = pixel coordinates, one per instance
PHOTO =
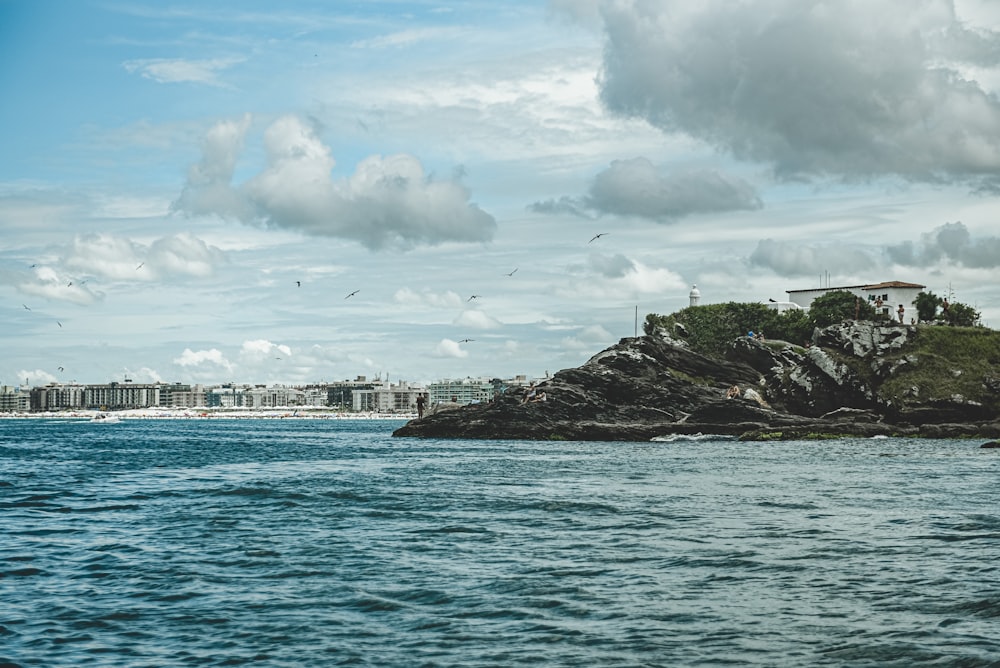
(654, 386)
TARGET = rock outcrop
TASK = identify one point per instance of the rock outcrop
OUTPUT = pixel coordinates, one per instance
(846, 383)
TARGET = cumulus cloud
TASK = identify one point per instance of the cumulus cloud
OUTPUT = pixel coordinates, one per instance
(179, 70)
(144, 375)
(110, 256)
(208, 189)
(201, 358)
(57, 285)
(616, 277)
(36, 377)
(637, 188)
(389, 201)
(183, 254)
(259, 349)
(448, 348)
(796, 259)
(849, 89)
(950, 242)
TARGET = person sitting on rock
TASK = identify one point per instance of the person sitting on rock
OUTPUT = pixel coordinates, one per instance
(733, 392)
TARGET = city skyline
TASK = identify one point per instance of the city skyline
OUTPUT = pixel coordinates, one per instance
(421, 190)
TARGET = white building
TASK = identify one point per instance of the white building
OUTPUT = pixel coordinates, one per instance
(114, 396)
(884, 297)
(464, 391)
(387, 398)
(276, 396)
(14, 399)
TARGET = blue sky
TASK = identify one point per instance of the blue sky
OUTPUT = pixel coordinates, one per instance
(190, 193)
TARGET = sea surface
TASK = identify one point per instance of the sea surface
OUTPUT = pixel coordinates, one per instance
(328, 542)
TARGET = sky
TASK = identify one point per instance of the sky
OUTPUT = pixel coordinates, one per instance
(310, 191)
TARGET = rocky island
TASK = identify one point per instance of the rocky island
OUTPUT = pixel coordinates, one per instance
(855, 378)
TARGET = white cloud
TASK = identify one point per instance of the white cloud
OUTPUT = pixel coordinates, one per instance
(447, 348)
(208, 189)
(144, 375)
(389, 202)
(179, 70)
(260, 349)
(36, 377)
(51, 283)
(409, 37)
(212, 357)
(115, 257)
(618, 277)
(183, 254)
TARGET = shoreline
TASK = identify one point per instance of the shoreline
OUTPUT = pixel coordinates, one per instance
(210, 414)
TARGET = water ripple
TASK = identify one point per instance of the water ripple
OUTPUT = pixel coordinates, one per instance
(315, 543)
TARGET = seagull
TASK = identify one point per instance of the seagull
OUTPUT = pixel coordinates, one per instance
(473, 297)
(140, 266)
(466, 340)
(61, 369)
(352, 294)
(69, 284)
(512, 273)
(596, 237)
(58, 323)
(298, 283)
(26, 307)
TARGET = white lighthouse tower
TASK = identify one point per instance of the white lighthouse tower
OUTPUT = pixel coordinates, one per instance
(694, 296)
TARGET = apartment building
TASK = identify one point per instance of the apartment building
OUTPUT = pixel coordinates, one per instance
(14, 399)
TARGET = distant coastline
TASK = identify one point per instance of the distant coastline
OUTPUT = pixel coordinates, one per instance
(210, 414)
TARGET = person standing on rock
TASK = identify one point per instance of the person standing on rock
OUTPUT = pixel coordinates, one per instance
(900, 311)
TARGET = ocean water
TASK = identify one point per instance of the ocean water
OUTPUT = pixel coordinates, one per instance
(326, 543)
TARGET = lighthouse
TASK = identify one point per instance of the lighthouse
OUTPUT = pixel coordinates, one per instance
(694, 296)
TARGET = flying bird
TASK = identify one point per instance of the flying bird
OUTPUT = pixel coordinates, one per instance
(26, 307)
(596, 237)
(58, 323)
(512, 273)
(140, 266)
(473, 297)
(69, 284)
(352, 294)
(61, 369)
(298, 283)
(466, 340)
